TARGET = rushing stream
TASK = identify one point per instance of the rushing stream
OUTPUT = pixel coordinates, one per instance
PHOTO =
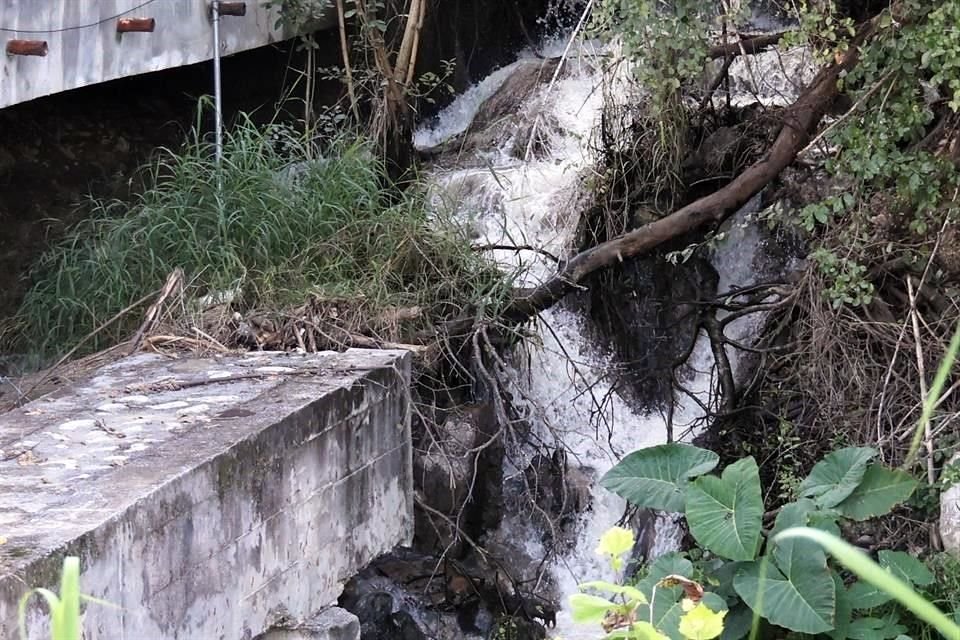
(516, 198)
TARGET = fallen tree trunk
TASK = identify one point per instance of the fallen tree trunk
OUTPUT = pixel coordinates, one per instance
(799, 120)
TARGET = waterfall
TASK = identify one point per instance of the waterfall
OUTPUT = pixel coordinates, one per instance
(505, 197)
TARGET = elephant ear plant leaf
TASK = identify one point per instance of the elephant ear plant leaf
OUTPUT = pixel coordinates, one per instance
(794, 589)
(836, 476)
(870, 572)
(725, 514)
(656, 477)
(880, 490)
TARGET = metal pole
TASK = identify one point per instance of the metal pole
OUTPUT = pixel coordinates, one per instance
(217, 98)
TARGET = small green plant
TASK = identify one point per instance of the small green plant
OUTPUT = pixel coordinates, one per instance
(667, 43)
(294, 15)
(788, 582)
(65, 620)
(821, 27)
(641, 612)
(849, 284)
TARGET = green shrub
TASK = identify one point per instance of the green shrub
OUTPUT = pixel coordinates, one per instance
(279, 221)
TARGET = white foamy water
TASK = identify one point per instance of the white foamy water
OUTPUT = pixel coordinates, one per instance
(566, 378)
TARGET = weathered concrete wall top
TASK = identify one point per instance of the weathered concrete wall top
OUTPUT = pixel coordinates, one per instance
(84, 48)
(207, 498)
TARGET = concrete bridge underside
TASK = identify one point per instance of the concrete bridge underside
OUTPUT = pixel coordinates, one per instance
(66, 44)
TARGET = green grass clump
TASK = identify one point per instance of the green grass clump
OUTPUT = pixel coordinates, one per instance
(280, 219)
(65, 620)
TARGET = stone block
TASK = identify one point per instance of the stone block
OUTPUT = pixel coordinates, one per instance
(207, 498)
(330, 624)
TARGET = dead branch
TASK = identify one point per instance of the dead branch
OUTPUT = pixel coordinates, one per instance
(517, 248)
(345, 52)
(152, 317)
(745, 45)
(411, 34)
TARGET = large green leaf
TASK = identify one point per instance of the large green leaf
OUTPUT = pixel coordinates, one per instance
(825, 520)
(880, 491)
(793, 514)
(655, 477)
(837, 475)
(588, 609)
(906, 567)
(844, 610)
(725, 514)
(804, 600)
(720, 576)
(714, 602)
(738, 622)
(666, 601)
(666, 565)
(874, 629)
(863, 595)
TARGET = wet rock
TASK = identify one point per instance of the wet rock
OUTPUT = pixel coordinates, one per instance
(374, 607)
(500, 123)
(516, 628)
(647, 310)
(774, 78)
(558, 489)
(404, 627)
(444, 467)
(330, 624)
(381, 618)
(523, 82)
(474, 617)
(534, 136)
(404, 593)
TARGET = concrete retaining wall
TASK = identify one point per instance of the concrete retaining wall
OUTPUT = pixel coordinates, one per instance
(208, 499)
(84, 48)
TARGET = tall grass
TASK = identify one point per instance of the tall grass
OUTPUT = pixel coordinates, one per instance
(279, 220)
(64, 608)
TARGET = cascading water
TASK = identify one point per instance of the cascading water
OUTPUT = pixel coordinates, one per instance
(507, 195)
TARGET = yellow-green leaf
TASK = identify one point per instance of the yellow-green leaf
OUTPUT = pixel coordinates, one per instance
(637, 631)
(700, 623)
(615, 542)
(589, 609)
